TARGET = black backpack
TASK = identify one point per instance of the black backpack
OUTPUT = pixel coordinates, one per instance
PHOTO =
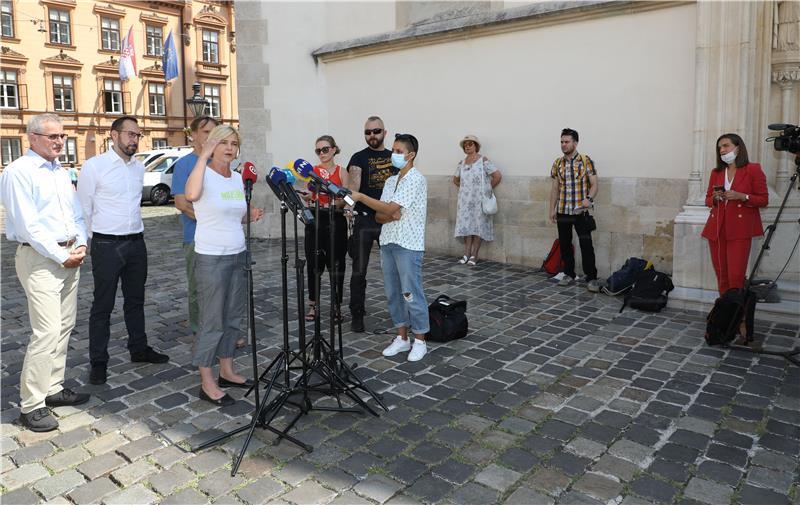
(649, 291)
(622, 280)
(448, 319)
(722, 323)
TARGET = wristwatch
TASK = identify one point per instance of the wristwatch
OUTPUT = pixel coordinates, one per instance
(591, 200)
(746, 198)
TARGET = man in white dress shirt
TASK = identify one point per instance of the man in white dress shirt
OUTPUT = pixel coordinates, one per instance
(44, 216)
(110, 192)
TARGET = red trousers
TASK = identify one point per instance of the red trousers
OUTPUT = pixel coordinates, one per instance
(729, 258)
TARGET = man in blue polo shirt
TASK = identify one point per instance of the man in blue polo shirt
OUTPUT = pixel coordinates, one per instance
(200, 128)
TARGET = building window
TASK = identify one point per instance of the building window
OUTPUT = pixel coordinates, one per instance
(112, 95)
(7, 21)
(157, 102)
(155, 38)
(63, 93)
(109, 33)
(11, 149)
(59, 27)
(9, 92)
(70, 152)
(160, 144)
(211, 94)
(210, 46)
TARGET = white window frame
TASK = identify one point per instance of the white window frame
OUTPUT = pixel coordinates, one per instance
(10, 148)
(7, 22)
(9, 89)
(154, 36)
(160, 143)
(157, 99)
(109, 34)
(70, 152)
(210, 46)
(112, 90)
(212, 93)
(60, 26)
(67, 93)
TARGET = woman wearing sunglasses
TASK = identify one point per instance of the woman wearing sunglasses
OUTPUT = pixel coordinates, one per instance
(403, 210)
(318, 240)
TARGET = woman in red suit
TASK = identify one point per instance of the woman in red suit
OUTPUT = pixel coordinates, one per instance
(737, 189)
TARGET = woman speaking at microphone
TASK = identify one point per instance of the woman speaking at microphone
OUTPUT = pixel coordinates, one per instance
(402, 210)
(331, 255)
(217, 194)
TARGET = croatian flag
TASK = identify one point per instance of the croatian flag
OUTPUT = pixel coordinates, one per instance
(127, 62)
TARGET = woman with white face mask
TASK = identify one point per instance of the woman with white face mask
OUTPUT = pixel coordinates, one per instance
(737, 189)
(403, 210)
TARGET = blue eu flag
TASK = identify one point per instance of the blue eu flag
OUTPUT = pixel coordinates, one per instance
(170, 59)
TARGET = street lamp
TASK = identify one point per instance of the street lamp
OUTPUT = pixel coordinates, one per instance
(197, 104)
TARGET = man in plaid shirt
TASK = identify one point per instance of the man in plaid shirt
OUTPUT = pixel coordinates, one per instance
(571, 196)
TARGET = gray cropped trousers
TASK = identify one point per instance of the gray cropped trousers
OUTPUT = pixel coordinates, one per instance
(221, 299)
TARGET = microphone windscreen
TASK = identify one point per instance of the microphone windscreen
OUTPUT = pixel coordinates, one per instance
(290, 178)
(249, 172)
(303, 168)
(276, 175)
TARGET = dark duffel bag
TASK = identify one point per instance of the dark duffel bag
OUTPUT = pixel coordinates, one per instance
(448, 319)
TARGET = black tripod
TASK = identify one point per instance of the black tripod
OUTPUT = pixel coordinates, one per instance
(791, 355)
(336, 377)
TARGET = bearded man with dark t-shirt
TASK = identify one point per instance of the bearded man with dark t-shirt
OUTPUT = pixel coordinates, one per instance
(367, 171)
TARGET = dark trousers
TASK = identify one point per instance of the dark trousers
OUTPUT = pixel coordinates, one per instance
(332, 256)
(565, 224)
(113, 260)
(365, 231)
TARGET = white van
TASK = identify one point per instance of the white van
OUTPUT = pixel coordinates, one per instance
(157, 184)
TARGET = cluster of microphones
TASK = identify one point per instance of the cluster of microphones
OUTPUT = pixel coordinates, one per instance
(281, 181)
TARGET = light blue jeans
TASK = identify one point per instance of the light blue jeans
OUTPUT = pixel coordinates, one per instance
(402, 281)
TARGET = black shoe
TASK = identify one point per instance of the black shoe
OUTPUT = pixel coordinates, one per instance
(149, 356)
(39, 420)
(357, 324)
(225, 383)
(66, 397)
(225, 401)
(98, 374)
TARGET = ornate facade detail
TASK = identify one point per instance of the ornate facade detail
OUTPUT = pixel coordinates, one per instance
(786, 26)
(784, 75)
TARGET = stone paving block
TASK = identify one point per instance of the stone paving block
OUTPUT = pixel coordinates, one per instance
(32, 453)
(140, 447)
(637, 454)
(706, 491)
(6, 464)
(497, 477)
(577, 498)
(134, 472)
(72, 438)
(403, 499)
(136, 495)
(473, 423)
(750, 495)
(60, 483)
(75, 421)
(21, 496)
(170, 455)
(585, 448)
(336, 479)
(260, 491)
(207, 462)
(23, 475)
(101, 465)
(656, 490)
(771, 479)
(771, 459)
(308, 492)
(220, 483)
(378, 488)
(67, 459)
(166, 481)
(526, 496)
(429, 488)
(474, 494)
(598, 487)
(185, 497)
(105, 443)
(93, 491)
(550, 481)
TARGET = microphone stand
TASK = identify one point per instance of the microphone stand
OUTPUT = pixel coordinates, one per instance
(791, 355)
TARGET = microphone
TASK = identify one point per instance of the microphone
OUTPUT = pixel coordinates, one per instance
(290, 196)
(249, 177)
(306, 170)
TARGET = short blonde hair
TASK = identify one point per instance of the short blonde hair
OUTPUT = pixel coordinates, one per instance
(224, 131)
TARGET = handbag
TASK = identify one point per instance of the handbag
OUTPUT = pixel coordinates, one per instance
(488, 203)
(448, 319)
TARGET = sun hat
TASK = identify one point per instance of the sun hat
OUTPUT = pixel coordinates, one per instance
(471, 138)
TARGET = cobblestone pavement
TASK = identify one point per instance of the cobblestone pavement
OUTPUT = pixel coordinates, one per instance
(553, 397)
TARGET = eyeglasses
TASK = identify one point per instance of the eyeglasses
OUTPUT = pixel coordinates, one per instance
(468, 143)
(323, 150)
(133, 135)
(374, 131)
(53, 137)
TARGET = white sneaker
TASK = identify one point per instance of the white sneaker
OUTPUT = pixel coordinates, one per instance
(418, 350)
(398, 345)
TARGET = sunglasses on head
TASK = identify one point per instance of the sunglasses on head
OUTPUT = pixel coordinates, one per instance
(323, 150)
(374, 131)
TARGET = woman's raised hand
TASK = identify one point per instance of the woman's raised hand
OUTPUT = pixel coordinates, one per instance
(208, 148)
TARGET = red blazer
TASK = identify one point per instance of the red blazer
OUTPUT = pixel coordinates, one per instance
(742, 219)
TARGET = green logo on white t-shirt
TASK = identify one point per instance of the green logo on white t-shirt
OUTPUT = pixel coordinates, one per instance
(236, 194)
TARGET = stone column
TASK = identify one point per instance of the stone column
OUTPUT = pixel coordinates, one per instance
(786, 74)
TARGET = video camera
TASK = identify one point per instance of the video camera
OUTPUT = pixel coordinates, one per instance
(788, 140)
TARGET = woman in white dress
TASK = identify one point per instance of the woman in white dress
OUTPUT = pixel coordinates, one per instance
(475, 176)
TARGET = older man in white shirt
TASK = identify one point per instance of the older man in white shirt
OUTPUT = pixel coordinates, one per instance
(43, 215)
(110, 192)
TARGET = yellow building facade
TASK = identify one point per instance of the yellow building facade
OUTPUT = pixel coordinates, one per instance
(63, 56)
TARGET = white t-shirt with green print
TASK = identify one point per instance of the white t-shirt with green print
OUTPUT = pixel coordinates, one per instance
(219, 213)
